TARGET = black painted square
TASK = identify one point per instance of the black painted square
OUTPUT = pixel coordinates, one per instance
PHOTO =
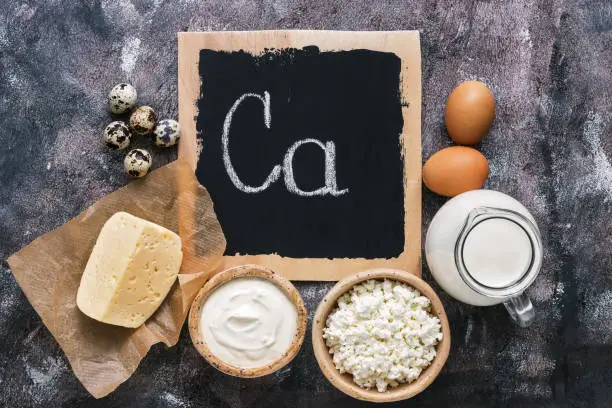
(351, 98)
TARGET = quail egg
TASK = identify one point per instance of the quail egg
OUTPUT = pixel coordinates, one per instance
(117, 135)
(142, 120)
(122, 98)
(167, 133)
(137, 162)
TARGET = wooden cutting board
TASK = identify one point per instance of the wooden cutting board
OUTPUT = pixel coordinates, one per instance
(309, 143)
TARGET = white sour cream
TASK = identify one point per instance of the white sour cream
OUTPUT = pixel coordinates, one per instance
(248, 322)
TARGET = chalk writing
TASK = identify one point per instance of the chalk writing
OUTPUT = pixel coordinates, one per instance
(231, 171)
(331, 185)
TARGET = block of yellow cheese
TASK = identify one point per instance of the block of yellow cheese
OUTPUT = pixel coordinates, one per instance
(130, 271)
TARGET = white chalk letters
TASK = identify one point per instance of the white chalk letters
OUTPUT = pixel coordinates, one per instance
(329, 148)
(231, 172)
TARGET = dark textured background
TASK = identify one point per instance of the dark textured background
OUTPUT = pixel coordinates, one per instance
(549, 65)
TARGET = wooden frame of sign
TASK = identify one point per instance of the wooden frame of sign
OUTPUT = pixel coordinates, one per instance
(404, 44)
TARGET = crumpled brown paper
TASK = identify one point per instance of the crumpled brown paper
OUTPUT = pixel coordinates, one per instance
(49, 271)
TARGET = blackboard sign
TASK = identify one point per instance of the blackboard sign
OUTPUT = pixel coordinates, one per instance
(303, 150)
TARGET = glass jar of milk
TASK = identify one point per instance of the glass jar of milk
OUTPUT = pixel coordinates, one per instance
(483, 247)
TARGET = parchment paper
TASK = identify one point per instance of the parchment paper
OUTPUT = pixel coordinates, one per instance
(49, 270)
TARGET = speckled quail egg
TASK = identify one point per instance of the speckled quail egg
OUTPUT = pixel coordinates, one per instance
(142, 120)
(167, 133)
(138, 162)
(117, 135)
(122, 98)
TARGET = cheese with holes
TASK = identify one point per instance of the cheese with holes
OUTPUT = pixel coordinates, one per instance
(130, 271)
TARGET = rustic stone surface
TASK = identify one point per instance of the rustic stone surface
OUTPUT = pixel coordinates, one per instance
(548, 64)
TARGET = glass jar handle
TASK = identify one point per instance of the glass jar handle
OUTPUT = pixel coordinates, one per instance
(520, 309)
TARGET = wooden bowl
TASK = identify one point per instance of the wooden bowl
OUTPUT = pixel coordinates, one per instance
(243, 271)
(344, 382)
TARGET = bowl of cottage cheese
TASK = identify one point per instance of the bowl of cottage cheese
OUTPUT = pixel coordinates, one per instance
(381, 335)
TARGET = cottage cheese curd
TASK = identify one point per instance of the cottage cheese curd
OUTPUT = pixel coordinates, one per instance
(382, 333)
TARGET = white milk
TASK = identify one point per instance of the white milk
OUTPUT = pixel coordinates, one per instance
(497, 252)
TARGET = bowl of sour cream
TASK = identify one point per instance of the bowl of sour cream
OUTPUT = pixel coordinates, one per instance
(248, 321)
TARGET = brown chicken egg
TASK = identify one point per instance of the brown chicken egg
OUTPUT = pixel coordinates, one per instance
(455, 170)
(470, 109)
